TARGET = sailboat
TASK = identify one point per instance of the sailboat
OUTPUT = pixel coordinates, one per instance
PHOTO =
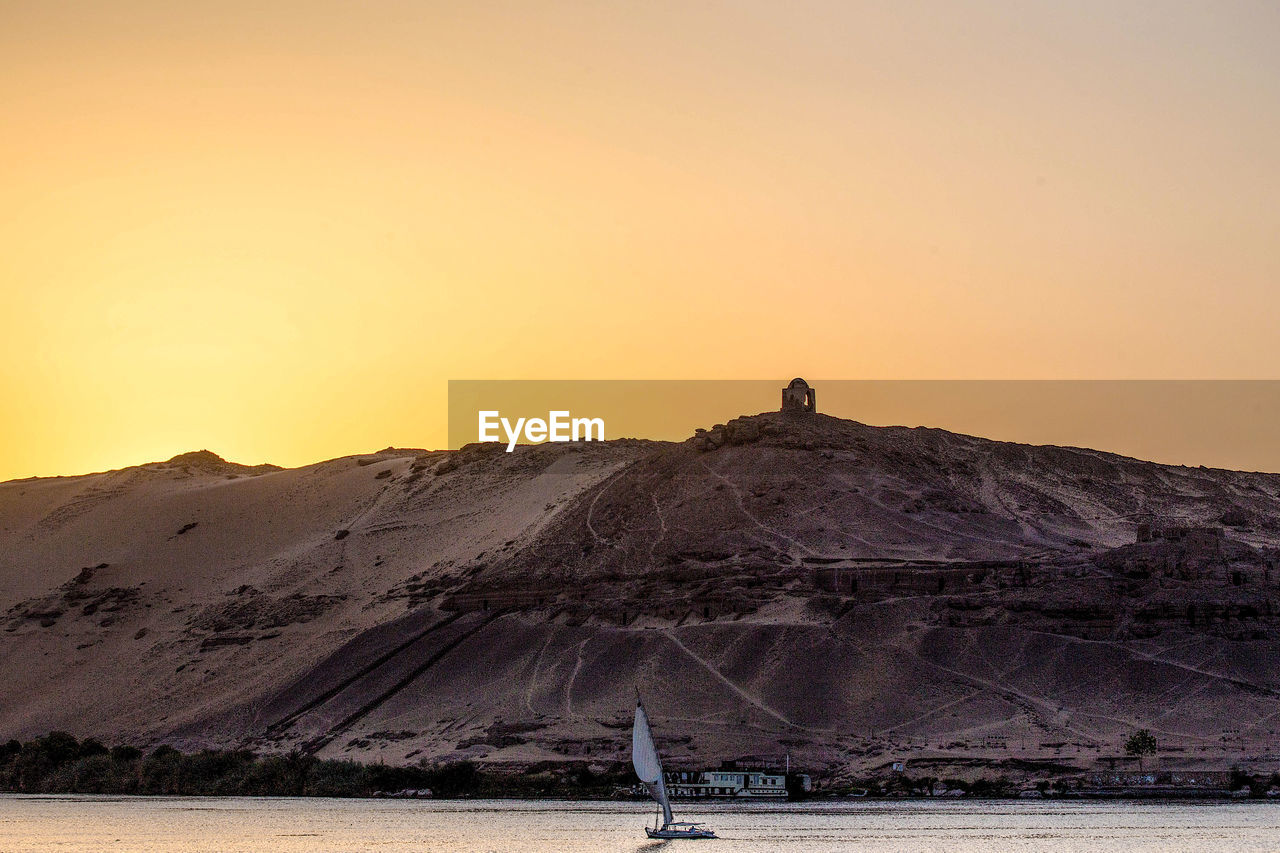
(644, 757)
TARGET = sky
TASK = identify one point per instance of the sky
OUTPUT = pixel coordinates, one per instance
(277, 229)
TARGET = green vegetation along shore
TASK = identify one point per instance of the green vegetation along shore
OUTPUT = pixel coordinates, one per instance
(59, 763)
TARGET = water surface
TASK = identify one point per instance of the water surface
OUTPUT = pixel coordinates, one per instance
(79, 824)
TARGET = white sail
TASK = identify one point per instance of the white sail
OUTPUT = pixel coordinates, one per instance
(644, 758)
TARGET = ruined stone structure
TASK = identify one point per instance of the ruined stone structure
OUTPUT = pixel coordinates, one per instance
(799, 397)
(1204, 536)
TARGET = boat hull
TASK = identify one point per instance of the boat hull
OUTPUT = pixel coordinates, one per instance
(669, 833)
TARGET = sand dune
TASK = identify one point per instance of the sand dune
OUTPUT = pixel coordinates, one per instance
(804, 585)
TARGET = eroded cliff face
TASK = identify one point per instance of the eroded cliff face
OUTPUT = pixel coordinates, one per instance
(780, 584)
(836, 514)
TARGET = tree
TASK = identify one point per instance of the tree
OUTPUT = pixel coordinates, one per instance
(90, 747)
(1141, 743)
(58, 747)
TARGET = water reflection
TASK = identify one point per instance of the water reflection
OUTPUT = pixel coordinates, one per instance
(246, 825)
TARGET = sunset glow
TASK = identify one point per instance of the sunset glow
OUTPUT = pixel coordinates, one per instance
(276, 230)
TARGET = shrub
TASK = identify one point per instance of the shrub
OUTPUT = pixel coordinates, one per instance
(90, 747)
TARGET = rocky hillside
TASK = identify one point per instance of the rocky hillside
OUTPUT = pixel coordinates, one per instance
(780, 584)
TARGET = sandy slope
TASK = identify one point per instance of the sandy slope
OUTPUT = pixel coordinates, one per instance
(262, 566)
(846, 594)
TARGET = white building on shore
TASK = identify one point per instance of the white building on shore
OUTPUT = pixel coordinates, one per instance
(747, 784)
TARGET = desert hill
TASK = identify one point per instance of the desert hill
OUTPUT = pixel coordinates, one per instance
(783, 583)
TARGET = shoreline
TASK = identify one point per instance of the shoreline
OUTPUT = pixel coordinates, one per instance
(762, 805)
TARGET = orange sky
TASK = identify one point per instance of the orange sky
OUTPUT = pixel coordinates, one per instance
(276, 229)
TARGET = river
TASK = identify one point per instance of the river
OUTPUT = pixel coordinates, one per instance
(85, 824)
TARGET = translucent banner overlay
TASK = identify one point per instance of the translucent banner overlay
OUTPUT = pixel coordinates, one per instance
(1216, 423)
